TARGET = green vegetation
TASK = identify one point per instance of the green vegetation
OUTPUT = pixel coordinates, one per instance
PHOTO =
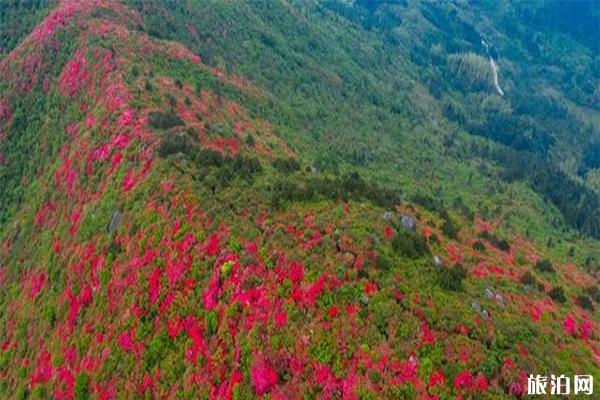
(347, 187)
(82, 390)
(17, 19)
(451, 278)
(164, 120)
(557, 294)
(501, 244)
(410, 244)
(584, 302)
(545, 265)
(286, 165)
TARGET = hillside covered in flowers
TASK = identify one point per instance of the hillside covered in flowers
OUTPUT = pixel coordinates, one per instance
(174, 226)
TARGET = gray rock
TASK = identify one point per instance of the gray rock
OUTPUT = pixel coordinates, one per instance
(388, 216)
(408, 223)
(479, 310)
(497, 297)
(500, 300)
(488, 293)
(115, 221)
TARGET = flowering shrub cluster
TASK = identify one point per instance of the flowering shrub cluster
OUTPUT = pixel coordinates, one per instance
(202, 288)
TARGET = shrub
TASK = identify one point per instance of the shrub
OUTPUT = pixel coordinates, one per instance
(282, 191)
(163, 120)
(212, 323)
(174, 144)
(230, 167)
(246, 166)
(592, 266)
(351, 186)
(557, 294)
(450, 229)
(594, 292)
(286, 165)
(479, 246)
(171, 99)
(156, 350)
(82, 391)
(410, 244)
(471, 69)
(208, 158)
(584, 302)
(383, 310)
(383, 262)
(500, 244)
(428, 202)
(528, 279)
(323, 351)
(544, 266)
(452, 278)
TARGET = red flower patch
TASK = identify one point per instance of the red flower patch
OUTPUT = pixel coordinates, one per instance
(75, 75)
(427, 336)
(174, 327)
(370, 288)
(263, 376)
(280, 319)
(128, 181)
(154, 285)
(437, 378)
(43, 371)
(126, 341)
(388, 232)
(38, 281)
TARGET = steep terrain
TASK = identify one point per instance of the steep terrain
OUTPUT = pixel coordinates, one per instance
(235, 200)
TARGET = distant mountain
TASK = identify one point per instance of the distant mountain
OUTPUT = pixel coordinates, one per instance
(319, 200)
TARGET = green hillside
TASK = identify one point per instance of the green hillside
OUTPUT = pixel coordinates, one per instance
(313, 200)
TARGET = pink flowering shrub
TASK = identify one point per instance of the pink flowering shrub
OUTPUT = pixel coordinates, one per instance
(263, 376)
(75, 75)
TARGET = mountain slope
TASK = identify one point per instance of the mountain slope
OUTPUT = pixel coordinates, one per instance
(216, 221)
(385, 80)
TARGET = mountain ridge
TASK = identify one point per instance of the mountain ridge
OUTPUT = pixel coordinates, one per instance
(173, 229)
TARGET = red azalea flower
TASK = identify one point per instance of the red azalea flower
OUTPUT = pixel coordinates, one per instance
(281, 319)
(370, 288)
(333, 311)
(388, 231)
(263, 376)
(437, 378)
(570, 325)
